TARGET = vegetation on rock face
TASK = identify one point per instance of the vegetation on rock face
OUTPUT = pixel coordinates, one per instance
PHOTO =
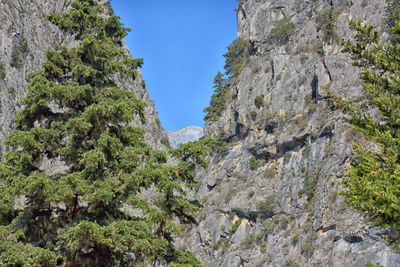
(281, 31)
(392, 13)
(373, 183)
(326, 22)
(235, 59)
(218, 99)
(2, 71)
(18, 53)
(253, 115)
(259, 101)
(93, 211)
(253, 163)
(268, 204)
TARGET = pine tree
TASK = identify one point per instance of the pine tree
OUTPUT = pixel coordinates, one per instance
(93, 212)
(236, 57)
(218, 99)
(373, 183)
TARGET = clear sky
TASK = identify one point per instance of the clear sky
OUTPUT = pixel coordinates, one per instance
(182, 43)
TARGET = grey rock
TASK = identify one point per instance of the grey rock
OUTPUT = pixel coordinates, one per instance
(301, 144)
(242, 232)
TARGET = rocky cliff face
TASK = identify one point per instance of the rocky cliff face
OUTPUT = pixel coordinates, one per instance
(270, 199)
(25, 35)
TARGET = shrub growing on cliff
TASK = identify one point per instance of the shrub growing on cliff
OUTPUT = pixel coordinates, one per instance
(2, 71)
(259, 101)
(281, 31)
(18, 53)
(253, 163)
(74, 113)
(373, 182)
(268, 205)
(253, 115)
(326, 22)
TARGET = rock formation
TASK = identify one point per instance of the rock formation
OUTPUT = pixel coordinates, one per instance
(270, 199)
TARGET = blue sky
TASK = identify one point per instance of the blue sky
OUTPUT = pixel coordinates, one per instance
(182, 43)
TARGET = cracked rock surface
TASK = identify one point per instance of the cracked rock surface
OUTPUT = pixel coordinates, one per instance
(286, 210)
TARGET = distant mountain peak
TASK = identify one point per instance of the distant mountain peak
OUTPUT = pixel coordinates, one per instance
(184, 135)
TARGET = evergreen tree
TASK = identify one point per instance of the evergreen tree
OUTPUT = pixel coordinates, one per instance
(236, 57)
(218, 99)
(373, 183)
(326, 22)
(82, 215)
(281, 31)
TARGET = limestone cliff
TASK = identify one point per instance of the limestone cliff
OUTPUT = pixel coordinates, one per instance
(25, 35)
(270, 199)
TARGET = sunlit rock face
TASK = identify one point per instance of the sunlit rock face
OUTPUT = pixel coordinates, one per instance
(285, 210)
(287, 203)
(184, 135)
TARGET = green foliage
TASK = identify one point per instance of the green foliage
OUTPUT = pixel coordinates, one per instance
(253, 163)
(19, 53)
(373, 183)
(268, 205)
(249, 240)
(236, 57)
(270, 173)
(184, 259)
(2, 71)
(218, 100)
(234, 228)
(259, 101)
(281, 31)
(80, 216)
(311, 186)
(370, 264)
(253, 115)
(392, 14)
(260, 236)
(218, 245)
(326, 21)
(11, 91)
(194, 152)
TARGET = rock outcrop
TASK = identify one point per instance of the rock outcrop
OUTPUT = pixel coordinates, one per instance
(25, 35)
(270, 199)
(184, 135)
